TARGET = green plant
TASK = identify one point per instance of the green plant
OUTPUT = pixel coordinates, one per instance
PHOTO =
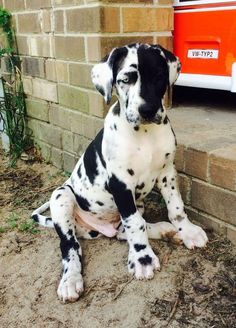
(28, 226)
(14, 221)
(2, 229)
(12, 105)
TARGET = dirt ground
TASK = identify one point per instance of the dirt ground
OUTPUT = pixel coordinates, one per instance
(193, 289)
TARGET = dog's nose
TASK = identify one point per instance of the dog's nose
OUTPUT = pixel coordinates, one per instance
(147, 111)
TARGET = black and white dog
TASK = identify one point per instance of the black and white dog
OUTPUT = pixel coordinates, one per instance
(135, 150)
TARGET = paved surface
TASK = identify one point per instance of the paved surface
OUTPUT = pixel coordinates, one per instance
(204, 118)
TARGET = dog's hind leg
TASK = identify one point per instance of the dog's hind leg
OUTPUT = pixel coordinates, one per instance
(62, 205)
(163, 230)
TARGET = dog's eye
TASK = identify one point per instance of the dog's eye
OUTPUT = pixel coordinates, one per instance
(125, 79)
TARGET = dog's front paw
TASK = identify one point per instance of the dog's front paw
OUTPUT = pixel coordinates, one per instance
(192, 235)
(70, 287)
(142, 262)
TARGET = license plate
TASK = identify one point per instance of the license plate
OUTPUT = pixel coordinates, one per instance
(203, 53)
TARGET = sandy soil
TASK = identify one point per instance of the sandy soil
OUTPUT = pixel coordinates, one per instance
(194, 288)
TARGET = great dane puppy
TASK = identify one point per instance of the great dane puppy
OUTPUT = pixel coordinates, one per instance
(135, 150)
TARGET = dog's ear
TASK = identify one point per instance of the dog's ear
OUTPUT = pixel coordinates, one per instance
(173, 63)
(104, 74)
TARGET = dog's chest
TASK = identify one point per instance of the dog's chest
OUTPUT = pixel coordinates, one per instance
(145, 152)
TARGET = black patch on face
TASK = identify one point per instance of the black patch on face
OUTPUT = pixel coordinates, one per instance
(165, 121)
(66, 243)
(130, 171)
(146, 260)
(116, 109)
(123, 197)
(93, 233)
(100, 203)
(116, 59)
(58, 196)
(136, 128)
(164, 180)
(154, 75)
(139, 247)
(133, 76)
(90, 157)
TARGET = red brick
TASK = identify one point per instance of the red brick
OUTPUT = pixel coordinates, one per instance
(33, 66)
(83, 20)
(69, 47)
(196, 163)
(29, 23)
(207, 221)
(147, 19)
(185, 187)
(58, 21)
(215, 201)
(80, 75)
(222, 169)
(108, 43)
(179, 158)
(14, 5)
(38, 4)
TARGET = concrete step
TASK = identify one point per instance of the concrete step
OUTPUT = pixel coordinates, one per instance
(206, 162)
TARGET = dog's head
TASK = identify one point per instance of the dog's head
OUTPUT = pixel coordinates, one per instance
(141, 74)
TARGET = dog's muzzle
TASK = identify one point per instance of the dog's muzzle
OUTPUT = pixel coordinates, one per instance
(149, 114)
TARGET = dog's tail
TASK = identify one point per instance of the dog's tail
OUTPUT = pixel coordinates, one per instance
(41, 219)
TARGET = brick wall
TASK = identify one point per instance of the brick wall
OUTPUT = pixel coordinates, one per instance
(59, 41)
(207, 176)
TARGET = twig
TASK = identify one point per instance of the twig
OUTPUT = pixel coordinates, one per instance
(48, 188)
(222, 320)
(121, 289)
(173, 311)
